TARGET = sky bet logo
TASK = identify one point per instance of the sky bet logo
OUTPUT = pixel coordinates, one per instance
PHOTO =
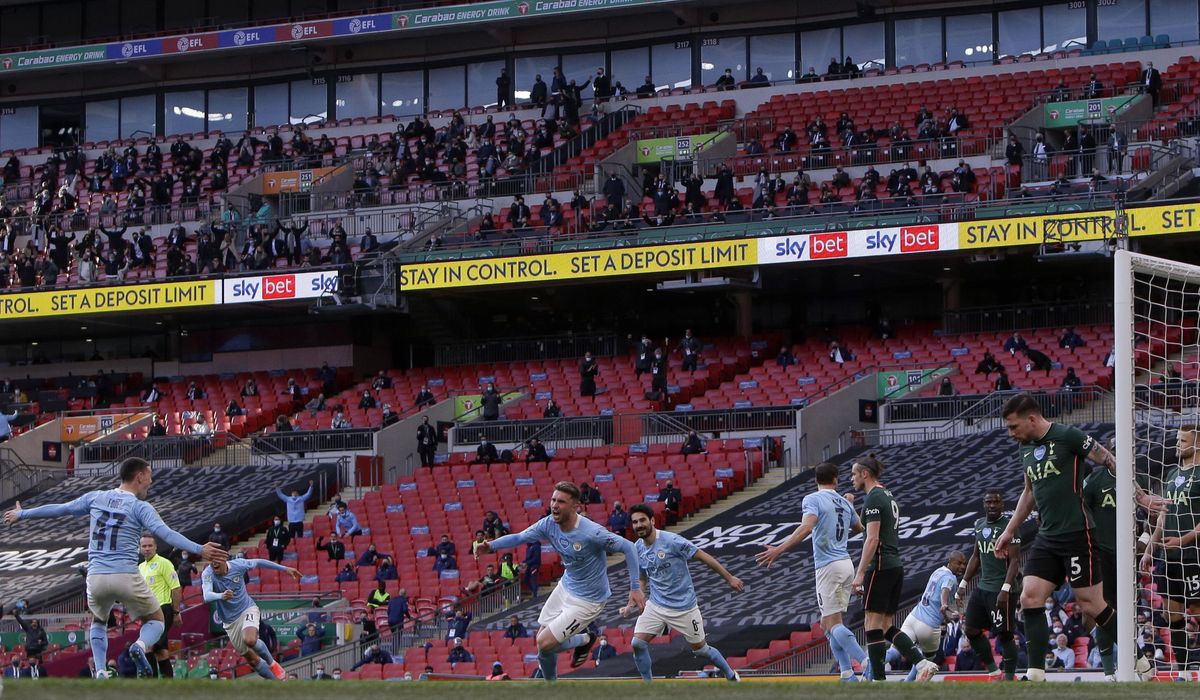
(792, 248)
(278, 287)
(828, 245)
(912, 239)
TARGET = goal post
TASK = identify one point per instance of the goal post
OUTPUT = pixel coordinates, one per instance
(1157, 366)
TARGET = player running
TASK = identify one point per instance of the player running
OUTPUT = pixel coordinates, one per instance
(1052, 457)
(830, 520)
(663, 558)
(1176, 533)
(583, 590)
(991, 606)
(224, 583)
(927, 619)
(880, 575)
(118, 518)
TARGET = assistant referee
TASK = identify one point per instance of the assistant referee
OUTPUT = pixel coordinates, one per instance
(163, 580)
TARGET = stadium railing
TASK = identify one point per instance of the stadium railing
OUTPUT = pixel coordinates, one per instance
(1019, 317)
(305, 442)
(526, 349)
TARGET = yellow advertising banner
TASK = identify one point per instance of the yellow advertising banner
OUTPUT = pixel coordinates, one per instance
(1077, 226)
(584, 264)
(141, 297)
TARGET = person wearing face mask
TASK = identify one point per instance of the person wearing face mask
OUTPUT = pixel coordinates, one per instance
(490, 402)
(321, 675)
(445, 562)
(603, 651)
(219, 537)
(278, 538)
(658, 373)
(588, 369)
(186, 569)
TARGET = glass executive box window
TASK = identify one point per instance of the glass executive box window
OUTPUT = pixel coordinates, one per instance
(671, 66)
(918, 41)
(1121, 19)
(528, 68)
(1175, 18)
(403, 94)
(969, 38)
(309, 104)
(1020, 32)
(357, 95)
(481, 82)
(775, 54)
(865, 44)
(1064, 27)
(818, 47)
(100, 120)
(19, 129)
(630, 67)
(139, 116)
(717, 54)
(447, 89)
(271, 104)
(581, 67)
(183, 112)
(227, 108)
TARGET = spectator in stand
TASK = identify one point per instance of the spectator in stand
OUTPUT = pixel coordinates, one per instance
(965, 659)
(221, 538)
(1015, 344)
(334, 548)
(445, 562)
(445, 546)
(5, 424)
(35, 641)
(988, 364)
(295, 509)
(367, 401)
(692, 444)
(277, 539)
(785, 358)
(493, 525)
(1064, 655)
(347, 524)
(310, 638)
(340, 422)
(250, 388)
(588, 369)
(1036, 360)
(531, 567)
(658, 371)
(536, 452)
(480, 539)
(387, 571)
(486, 583)
(398, 611)
(839, 353)
(946, 388)
(485, 453)
(1071, 382)
(427, 440)
(490, 403)
(1151, 81)
(379, 597)
(153, 394)
(186, 569)
(459, 654)
(618, 519)
(389, 417)
(552, 409)
(647, 88)
(1002, 382)
(672, 498)
(1070, 340)
(370, 557)
(603, 651)
(373, 655)
(347, 574)
(689, 347)
(459, 622)
(589, 495)
(515, 629)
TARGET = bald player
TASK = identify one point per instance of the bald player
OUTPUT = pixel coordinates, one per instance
(924, 623)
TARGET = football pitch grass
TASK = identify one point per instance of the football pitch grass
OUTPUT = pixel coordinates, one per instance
(82, 689)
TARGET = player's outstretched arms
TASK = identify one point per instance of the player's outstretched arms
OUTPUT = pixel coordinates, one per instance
(12, 515)
(77, 507)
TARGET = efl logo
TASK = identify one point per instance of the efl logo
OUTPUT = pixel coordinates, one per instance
(279, 287)
(299, 31)
(827, 245)
(919, 239)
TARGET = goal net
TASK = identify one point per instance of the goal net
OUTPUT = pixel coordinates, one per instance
(1157, 376)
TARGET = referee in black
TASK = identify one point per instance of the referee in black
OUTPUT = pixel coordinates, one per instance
(163, 580)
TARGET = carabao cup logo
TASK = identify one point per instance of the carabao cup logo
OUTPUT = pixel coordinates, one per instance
(403, 20)
(523, 8)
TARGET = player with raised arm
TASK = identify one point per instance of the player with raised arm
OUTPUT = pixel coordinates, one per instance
(829, 519)
(991, 606)
(583, 590)
(925, 622)
(224, 583)
(880, 575)
(1052, 457)
(118, 518)
(1176, 533)
(663, 558)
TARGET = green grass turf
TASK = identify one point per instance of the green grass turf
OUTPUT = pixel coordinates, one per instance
(71, 689)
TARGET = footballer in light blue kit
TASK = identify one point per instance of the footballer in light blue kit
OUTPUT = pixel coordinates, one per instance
(829, 519)
(583, 590)
(671, 605)
(925, 622)
(118, 518)
(224, 585)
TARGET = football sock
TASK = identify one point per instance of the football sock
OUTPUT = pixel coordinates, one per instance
(260, 648)
(876, 650)
(983, 651)
(166, 669)
(904, 645)
(151, 631)
(264, 669)
(848, 642)
(843, 659)
(1037, 637)
(99, 639)
(1107, 621)
(548, 662)
(1011, 650)
(716, 657)
(1179, 647)
(574, 641)
(641, 657)
(1104, 645)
